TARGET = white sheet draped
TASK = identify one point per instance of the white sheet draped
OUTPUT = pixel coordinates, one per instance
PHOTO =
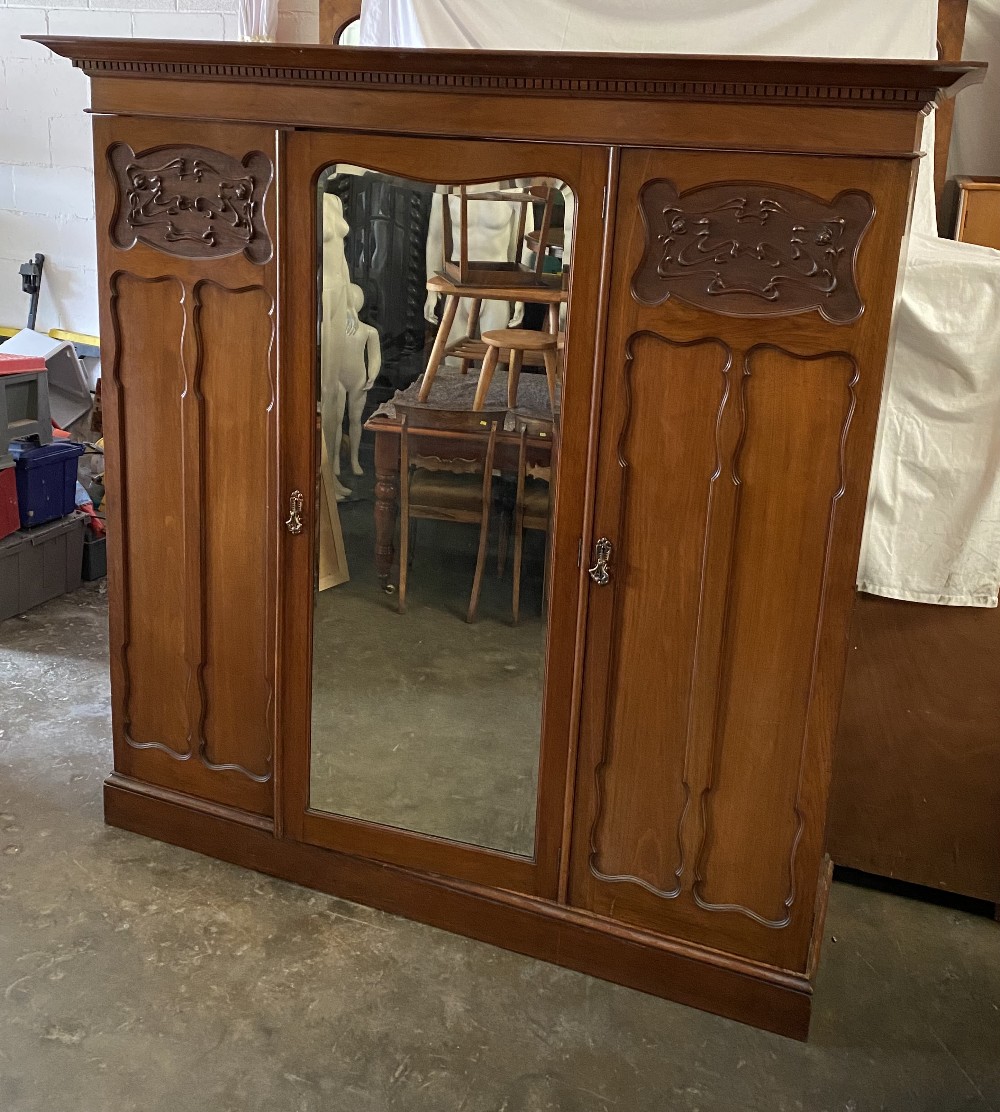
(820, 28)
(932, 532)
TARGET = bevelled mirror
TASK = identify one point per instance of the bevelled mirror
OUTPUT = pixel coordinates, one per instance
(442, 313)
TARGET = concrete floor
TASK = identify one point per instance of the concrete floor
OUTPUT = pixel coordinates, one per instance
(135, 977)
(421, 720)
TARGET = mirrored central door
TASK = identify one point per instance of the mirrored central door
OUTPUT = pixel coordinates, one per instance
(446, 375)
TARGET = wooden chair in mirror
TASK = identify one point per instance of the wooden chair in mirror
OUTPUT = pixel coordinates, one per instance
(454, 484)
(532, 510)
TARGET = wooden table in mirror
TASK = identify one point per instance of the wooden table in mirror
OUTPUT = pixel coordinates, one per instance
(432, 428)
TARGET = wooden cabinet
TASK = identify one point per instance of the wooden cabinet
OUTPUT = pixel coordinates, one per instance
(978, 219)
(915, 794)
(736, 234)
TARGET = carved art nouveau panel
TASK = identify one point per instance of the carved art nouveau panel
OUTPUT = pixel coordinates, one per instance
(753, 249)
(191, 201)
(190, 369)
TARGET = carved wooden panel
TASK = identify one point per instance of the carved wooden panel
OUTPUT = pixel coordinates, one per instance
(234, 385)
(190, 424)
(195, 403)
(643, 789)
(732, 472)
(788, 471)
(752, 249)
(149, 377)
(191, 201)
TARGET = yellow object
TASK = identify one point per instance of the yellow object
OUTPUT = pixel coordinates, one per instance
(57, 334)
(75, 337)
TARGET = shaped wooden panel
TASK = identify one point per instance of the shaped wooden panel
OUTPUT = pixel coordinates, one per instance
(789, 476)
(732, 495)
(643, 789)
(234, 333)
(189, 336)
(149, 378)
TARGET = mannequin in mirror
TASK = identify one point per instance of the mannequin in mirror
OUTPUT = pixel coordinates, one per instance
(359, 363)
(493, 236)
(350, 353)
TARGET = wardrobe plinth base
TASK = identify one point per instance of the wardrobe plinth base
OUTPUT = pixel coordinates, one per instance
(770, 999)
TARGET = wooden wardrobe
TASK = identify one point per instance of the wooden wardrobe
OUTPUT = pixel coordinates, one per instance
(738, 227)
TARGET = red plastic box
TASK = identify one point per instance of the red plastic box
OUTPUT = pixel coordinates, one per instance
(20, 364)
(10, 519)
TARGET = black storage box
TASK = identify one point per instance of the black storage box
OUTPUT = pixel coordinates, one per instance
(95, 557)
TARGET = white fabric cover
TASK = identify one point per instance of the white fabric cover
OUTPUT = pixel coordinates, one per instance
(818, 28)
(932, 532)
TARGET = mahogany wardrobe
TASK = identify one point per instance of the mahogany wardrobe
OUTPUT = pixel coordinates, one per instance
(736, 226)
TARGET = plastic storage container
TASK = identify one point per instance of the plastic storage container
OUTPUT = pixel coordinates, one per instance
(24, 399)
(69, 390)
(39, 564)
(46, 480)
(10, 520)
(95, 557)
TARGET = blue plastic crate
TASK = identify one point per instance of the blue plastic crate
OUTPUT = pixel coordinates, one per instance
(46, 479)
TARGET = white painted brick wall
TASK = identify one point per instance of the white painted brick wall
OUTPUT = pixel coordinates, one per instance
(46, 159)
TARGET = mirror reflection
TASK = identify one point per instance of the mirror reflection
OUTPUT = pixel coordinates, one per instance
(442, 312)
(350, 34)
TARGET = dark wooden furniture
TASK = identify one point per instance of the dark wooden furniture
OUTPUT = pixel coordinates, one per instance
(431, 442)
(737, 233)
(454, 486)
(916, 785)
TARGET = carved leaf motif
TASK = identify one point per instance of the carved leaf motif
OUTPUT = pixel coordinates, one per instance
(192, 201)
(752, 250)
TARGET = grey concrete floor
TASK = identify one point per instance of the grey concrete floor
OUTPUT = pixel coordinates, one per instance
(135, 977)
(422, 720)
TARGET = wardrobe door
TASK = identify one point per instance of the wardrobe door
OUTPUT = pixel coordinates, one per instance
(424, 724)
(741, 390)
(188, 282)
